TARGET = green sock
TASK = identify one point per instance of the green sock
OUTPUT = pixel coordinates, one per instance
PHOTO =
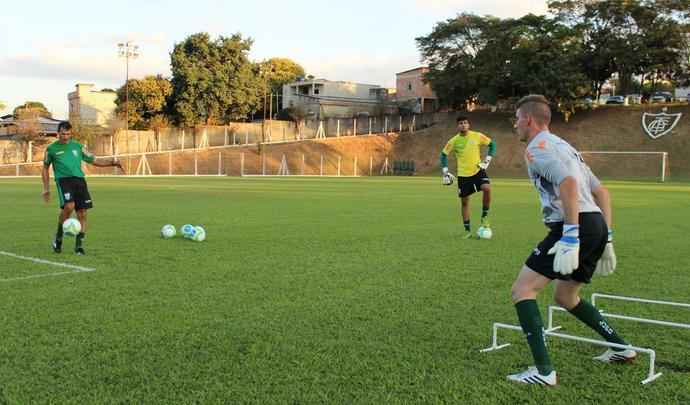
(585, 312)
(58, 233)
(80, 239)
(532, 325)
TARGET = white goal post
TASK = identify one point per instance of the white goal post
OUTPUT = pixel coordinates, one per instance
(658, 167)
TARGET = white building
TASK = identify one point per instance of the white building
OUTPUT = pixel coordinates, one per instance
(91, 107)
(321, 98)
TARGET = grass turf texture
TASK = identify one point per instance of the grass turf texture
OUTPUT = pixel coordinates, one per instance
(318, 291)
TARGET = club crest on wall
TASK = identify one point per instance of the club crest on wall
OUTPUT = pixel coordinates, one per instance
(658, 125)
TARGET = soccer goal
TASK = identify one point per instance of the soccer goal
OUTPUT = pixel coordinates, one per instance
(628, 165)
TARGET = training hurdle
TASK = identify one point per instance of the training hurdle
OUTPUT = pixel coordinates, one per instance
(553, 308)
(651, 375)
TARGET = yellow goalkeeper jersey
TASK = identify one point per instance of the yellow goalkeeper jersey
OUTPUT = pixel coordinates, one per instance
(466, 150)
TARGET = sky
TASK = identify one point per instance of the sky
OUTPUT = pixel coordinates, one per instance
(46, 47)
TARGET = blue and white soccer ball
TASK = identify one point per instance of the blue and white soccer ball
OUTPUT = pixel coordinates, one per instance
(188, 231)
(200, 234)
(168, 231)
(484, 233)
(71, 227)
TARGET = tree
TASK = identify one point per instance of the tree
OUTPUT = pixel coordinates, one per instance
(637, 37)
(35, 108)
(85, 132)
(280, 71)
(148, 98)
(486, 58)
(2, 106)
(213, 80)
(545, 60)
(450, 51)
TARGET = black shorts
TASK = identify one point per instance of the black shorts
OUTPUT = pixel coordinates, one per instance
(74, 189)
(593, 238)
(470, 185)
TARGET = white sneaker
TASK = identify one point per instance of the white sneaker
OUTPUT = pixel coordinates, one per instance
(532, 376)
(611, 356)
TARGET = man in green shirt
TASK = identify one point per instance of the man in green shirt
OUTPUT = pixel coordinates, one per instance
(66, 156)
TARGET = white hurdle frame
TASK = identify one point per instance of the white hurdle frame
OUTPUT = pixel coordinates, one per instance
(553, 308)
(651, 375)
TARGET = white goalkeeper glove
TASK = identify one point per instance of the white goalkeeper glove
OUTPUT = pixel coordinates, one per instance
(446, 177)
(567, 250)
(607, 262)
(485, 164)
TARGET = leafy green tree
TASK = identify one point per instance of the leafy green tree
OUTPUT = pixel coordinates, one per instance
(35, 108)
(545, 60)
(280, 71)
(489, 59)
(213, 80)
(148, 98)
(637, 37)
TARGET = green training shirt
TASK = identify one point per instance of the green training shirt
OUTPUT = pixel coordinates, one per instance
(66, 158)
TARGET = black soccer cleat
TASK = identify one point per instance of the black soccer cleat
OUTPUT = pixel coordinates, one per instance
(79, 251)
(57, 246)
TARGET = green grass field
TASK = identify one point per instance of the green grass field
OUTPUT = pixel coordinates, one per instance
(312, 291)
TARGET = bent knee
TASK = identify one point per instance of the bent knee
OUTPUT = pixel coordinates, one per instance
(566, 301)
(521, 292)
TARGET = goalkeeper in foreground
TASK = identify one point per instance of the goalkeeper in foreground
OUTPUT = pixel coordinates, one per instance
(471, 172)
(577, 211)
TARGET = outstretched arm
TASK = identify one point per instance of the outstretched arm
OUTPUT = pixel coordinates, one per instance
(111, 163)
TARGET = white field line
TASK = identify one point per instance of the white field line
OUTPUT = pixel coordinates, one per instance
(75, 269)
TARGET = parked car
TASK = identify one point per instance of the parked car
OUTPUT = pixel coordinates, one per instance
(661, 97)
(615, 100)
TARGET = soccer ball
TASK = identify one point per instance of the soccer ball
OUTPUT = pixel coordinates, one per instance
(168, 231)
(484, 233)
(188, 231)
(200, 234)
(71, 227)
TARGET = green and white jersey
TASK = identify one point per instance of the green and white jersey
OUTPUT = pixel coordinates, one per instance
(66, 158)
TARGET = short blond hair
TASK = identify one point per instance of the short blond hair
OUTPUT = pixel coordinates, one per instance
(536, 106)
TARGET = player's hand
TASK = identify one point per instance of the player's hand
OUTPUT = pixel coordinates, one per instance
(447, 177)
(485, 164)
(46, 196)
(607, 262)
(567, 250)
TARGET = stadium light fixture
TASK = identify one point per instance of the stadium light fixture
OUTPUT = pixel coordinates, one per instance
(127, 50)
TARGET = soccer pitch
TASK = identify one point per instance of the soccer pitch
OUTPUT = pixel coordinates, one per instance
(312, 291)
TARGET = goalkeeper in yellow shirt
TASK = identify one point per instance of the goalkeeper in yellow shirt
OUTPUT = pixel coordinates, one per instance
(471, 172)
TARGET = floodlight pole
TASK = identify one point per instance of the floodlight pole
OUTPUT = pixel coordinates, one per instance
(127, 50)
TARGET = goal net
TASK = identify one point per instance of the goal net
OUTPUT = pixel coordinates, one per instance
(628, 165)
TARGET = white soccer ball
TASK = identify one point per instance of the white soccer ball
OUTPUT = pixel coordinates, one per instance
(71, 227)
(188, 231)
(200, 234)
(484, 233)
(168, 231)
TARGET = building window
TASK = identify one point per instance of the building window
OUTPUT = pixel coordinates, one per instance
(316, 91)
(409, 86)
